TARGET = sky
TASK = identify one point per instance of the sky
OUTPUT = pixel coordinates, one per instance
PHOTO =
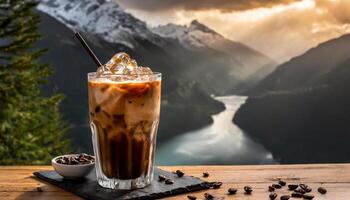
(281, 29)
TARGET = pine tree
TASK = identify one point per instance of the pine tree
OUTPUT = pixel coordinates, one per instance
(31, 128)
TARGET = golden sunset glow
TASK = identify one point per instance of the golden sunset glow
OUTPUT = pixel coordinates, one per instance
(269, 29)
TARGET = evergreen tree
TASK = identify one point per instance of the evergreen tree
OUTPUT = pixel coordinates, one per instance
(31, 128)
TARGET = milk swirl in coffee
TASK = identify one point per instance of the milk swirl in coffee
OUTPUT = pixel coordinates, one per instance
(124, 104)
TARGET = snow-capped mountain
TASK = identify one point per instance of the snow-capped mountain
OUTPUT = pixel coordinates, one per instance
(215, 66)
(103, 18)
(197, 36)
(204, 54)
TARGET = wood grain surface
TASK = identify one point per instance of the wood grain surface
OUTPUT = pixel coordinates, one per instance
(18, 182)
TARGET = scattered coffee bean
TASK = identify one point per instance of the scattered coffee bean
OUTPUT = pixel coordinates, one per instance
(161, 178)
(190, 197)
(303, 186)
(179, 173)
(232, 191)
(271, 189)
(297, 195)
(308, 189)
(248, 189)
(273, 196)
(169, 181)
(216, 185)
(285, 197)
(39, 189)
(293, 186)
(205, 174)
(208, 196)
(206, 185)
(308, 196)
(277, 186)
(322, 190)
(299, 190)
(282, 183)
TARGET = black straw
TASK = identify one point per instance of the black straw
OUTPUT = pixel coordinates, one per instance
(88, 49)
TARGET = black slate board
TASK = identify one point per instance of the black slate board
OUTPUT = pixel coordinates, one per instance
(88, 188)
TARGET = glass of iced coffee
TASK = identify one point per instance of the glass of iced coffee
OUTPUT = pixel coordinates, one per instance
(124, 104)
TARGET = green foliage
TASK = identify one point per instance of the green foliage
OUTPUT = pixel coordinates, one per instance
(31, 128)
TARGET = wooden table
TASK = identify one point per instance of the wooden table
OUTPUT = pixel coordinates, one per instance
(17, 182)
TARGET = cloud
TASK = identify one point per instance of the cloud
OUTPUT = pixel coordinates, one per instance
(281, 32)
(222, 5)
(339, 9)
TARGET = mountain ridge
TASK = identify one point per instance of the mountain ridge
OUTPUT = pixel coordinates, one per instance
(306, 69)
(250, 65)
(307, 101)
(103, 18)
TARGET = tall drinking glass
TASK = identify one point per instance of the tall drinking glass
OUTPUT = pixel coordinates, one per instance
(124, 117)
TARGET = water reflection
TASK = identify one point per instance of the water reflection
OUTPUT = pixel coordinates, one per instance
(219, 143)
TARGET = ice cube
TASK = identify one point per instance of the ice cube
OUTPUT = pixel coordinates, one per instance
(132, 63)
(121, 57)
(121, 63)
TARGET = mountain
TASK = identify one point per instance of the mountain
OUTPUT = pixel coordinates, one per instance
(237, 65)
(103, 18)
(308, 70)
(301, 111)
(244, 63)
(185, 104)
(190, 75)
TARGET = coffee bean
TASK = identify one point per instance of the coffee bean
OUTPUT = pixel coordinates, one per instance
(208, 196)
(308, 196)
(299, 190)
(232, 190)
(308, 189)
(273, 196)
(216, 185)
(206, 185)
(248, 189)
(271, 189)
(39, 189)
(64, 160)
(190, 197)
(297, 195)
(74, 162)
(303, 186)
(161, 178)
(179, 173)
(285, 197)
(293, 186)
(205, 174)
(276, 186)
(169, 181)
(282, 183)
(322, 190)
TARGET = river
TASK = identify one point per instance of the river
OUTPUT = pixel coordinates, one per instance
(222, 142)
